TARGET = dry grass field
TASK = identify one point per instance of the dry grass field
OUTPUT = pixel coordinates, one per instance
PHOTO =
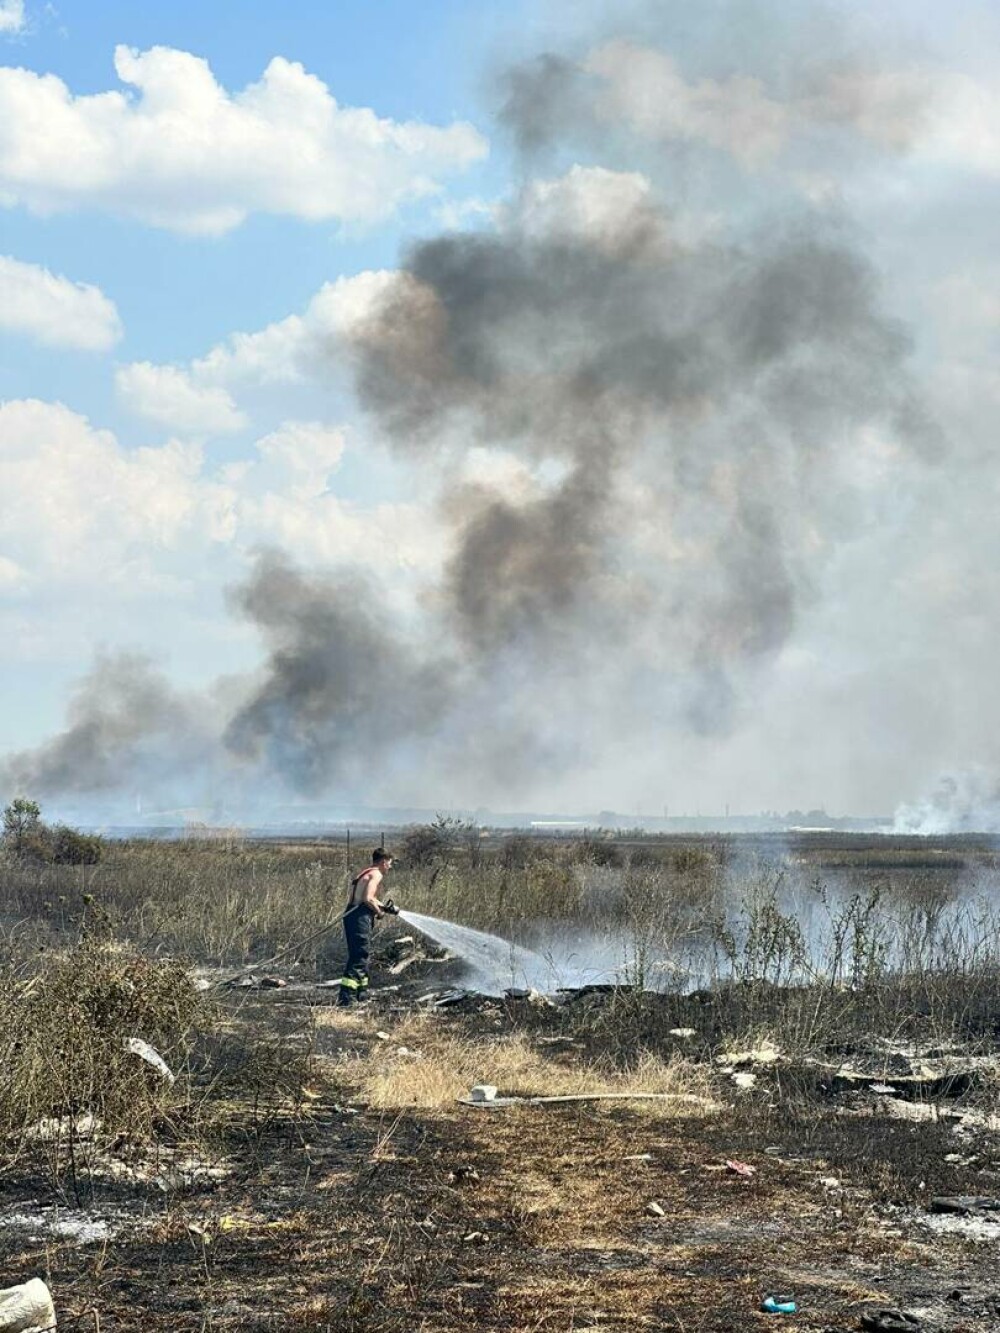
(314, 1169)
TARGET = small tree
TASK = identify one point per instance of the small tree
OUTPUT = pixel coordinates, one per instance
(21, 819)
(429, 844)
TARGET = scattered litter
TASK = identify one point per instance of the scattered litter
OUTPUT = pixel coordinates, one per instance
(464, 1175)
(247, 982)
(682, 1032)
(778, 1305)
(830, 1182)
(740, 1168)
(744, 1080)
(654, 1209)
(202, 984)
(27, 1307)
(272, 983)
(483, 1092)
(449, 997)
(475, 1238)
(407, 1054)
(381, 1036)
(888, 1319)
(639, 1157)
(152, 1057)
(883, 1089)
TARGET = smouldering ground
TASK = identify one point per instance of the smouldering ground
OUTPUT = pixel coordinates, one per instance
(441, 1217)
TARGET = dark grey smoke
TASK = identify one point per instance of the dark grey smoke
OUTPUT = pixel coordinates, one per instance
(544, 99)
(721, 382)
(339, 690)
(125, 720)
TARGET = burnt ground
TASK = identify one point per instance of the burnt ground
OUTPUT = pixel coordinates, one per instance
(338, 1217)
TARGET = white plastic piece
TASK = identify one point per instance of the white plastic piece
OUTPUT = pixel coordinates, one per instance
(483, 1092)
(153, 1058)
(27, 1309)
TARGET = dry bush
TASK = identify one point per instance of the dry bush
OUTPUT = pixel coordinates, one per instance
(63, 1036)
(447, 1063)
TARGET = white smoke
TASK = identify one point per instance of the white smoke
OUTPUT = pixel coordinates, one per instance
(967, 801)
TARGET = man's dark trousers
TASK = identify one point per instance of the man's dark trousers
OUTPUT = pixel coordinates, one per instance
(359, 922)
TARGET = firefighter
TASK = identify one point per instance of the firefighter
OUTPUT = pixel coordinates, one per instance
(363, 910)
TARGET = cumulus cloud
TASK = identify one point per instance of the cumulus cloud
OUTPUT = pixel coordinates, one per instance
(308, 450)
(96, 515)
(180, 151)
(294, 350)
(12, 18)
(55, 310)
(168, 396)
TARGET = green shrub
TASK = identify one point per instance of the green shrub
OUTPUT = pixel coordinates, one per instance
(72, 848)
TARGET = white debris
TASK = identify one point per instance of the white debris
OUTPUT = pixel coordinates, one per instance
(683, 1032)
(27, 1308)
(55, 1129)
(152, 1058)
(971, 1228)
(38, 1224)
(764, 1054)
(407, 1054)
(483, 1092)
(654, 1209)
(744, 1080)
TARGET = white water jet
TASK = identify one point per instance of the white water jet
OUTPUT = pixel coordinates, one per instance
(493, 964)
(569, 960)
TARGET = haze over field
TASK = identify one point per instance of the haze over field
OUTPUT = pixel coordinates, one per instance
(554, 412)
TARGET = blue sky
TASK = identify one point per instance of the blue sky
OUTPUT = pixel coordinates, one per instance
(407, 61)
(194, 231)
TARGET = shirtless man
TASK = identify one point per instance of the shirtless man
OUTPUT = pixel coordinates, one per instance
(363, 910)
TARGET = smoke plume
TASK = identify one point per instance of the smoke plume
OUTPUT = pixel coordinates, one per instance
(704, 413)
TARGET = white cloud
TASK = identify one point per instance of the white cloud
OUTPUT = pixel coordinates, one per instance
(307, 451)
(12, 16)
(167, 395)
(113, 522)
(184, 153)
(85, 506)
(298, 348)
(55, 310)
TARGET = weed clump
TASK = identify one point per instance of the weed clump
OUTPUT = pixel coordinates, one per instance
(64, 1037)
